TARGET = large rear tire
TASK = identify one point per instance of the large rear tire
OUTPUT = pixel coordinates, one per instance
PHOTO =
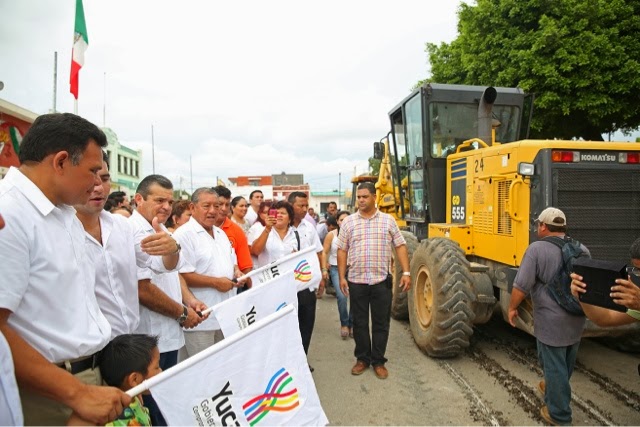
(440, 299)
(399, 307)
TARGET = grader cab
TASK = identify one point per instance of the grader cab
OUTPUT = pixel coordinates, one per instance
(474, 185)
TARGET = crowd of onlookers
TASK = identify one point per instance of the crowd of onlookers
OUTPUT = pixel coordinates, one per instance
(101, 291)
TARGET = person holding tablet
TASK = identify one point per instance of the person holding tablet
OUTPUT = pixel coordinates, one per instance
(625, 292)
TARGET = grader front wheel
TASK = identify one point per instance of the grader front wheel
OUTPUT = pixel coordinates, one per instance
(440, 299)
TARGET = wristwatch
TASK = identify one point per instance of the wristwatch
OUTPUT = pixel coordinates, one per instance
(183, 317)
(178, 247)
(406, 273)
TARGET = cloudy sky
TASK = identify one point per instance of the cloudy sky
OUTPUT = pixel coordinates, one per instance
(241, 87)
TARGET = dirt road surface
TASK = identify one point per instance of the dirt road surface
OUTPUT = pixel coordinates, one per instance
(493, 383)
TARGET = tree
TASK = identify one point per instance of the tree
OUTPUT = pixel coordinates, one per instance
(374, 166)
(579, 57)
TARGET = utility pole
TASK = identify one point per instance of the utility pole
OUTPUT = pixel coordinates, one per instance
(55, 79)
(339, 188)
(104, 102)
(153, 153)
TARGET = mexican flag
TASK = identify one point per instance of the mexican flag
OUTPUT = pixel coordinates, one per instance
(80, 44)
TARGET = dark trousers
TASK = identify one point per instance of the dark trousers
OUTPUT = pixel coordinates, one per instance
(167, 360)
(370, 350)
(306, 316)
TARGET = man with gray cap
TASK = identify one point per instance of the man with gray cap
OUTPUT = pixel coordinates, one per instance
(557, 332)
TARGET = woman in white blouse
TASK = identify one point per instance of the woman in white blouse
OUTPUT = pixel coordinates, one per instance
(238, 213)
(277, 238)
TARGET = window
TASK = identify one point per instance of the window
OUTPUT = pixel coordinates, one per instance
(452, 124)
(413, 114)
(119, 163)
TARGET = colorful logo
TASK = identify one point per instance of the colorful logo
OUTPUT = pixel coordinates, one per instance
(275, 398)
(302, 272)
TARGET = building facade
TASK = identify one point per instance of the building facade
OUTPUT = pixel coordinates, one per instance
(125, 164)
(15, 121)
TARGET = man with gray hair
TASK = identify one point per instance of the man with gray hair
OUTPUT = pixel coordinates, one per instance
(210, 265)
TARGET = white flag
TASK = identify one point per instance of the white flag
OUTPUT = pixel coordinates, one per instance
(257, 377)
(235, 314)
(305, 266)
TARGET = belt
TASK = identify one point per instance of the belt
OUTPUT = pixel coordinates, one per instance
(81, 364)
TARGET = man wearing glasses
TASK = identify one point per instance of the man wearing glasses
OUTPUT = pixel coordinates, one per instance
(624, 292)
(557, 346)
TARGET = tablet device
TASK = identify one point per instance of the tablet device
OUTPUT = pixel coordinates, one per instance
(600, 276)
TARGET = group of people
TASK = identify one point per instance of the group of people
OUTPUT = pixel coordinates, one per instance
(557, 331)
(95, 300)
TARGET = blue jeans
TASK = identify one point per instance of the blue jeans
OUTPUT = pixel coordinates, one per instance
(345, 316)
(557, 364)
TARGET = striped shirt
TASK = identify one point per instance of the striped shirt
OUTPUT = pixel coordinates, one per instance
(368, 244)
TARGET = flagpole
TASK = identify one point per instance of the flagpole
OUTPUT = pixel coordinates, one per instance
(153, 152)
(278, 261)
(219, 346)
(104, 102)
(210, 309)
(55, 79)
(75, 107)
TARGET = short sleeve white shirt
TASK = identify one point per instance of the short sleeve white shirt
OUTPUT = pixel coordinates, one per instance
(168, 330)
(309, 238)
(252, 235)
(208, 256)
(47, 280)
(275, 247)
(252, 216)
(116, 279)
(10, 406)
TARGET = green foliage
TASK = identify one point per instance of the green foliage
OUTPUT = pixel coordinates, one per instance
(374, 166)
(579, 57)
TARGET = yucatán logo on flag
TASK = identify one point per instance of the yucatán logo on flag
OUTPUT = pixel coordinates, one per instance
(280, 395)
(304, 264)
(302, 271)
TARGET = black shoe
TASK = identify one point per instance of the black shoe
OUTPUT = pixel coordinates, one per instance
(311, 368)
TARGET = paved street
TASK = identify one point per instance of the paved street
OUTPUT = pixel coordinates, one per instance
(494, 383)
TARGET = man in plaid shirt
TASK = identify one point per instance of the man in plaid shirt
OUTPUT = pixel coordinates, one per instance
(364, 244)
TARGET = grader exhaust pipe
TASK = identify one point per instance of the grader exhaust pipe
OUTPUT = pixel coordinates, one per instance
(485, 114)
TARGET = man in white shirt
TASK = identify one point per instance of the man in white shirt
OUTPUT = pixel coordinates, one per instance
(209, 265)
(166, 305)
(48, 309)
(255, 198)
(308, 237)
(10, 407)
(110, 245)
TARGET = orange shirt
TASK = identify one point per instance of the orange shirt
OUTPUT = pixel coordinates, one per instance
(239, 243)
